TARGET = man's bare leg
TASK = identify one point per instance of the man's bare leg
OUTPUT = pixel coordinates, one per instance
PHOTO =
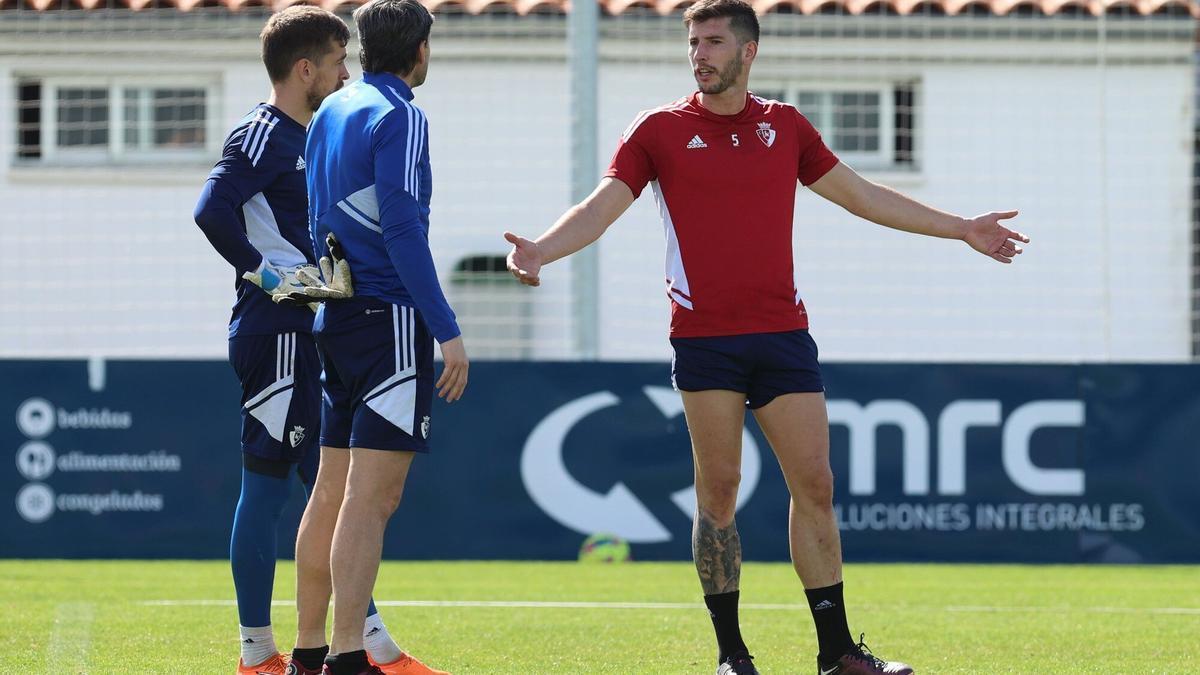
(313, 542)
(314, 585)
(715, 419)
(797, 427)
(374, 485)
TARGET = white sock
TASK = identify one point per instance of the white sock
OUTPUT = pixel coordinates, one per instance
(258, 645)
(377, 642)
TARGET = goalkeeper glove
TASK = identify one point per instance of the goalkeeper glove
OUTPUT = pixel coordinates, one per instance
(280, 282)
(334, 282)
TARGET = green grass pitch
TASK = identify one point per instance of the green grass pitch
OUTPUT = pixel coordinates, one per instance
(67, 617)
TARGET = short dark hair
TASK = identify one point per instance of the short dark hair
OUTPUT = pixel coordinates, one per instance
(390, 33)
(742, 19)
(299, 32)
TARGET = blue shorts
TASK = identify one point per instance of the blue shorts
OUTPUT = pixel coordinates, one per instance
(759, 365)
(378, 379)
(281, 394)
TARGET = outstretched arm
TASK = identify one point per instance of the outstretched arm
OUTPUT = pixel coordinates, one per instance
(885, 206)
(581, 225)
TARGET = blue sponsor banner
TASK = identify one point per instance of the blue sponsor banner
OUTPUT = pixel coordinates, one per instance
(932, 462)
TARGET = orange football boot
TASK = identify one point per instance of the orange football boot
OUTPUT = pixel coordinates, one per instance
(406, 665)
(276, 665)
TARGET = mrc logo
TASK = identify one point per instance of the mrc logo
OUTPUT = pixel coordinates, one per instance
(862, 421)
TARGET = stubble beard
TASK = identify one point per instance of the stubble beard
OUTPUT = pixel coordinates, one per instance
(315, 96)
(726, 77)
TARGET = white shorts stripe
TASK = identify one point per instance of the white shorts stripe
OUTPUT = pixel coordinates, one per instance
(270, 406)
(405, 336)
(412, 339)
(274, 387)
(398, 405)
(396, 310)
(395, 398)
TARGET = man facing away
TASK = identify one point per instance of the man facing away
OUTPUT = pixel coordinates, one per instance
(369, 184)
(724, 164)
(253, 209)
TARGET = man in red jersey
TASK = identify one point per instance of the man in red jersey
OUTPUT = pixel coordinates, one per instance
(724, 165)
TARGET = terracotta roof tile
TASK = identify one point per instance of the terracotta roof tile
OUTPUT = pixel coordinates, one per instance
(667, 7)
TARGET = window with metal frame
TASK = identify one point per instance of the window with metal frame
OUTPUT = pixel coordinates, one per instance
(81, 120)
(868, 125)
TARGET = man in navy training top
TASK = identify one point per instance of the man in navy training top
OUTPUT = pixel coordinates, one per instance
(253, 211)
(369, 183)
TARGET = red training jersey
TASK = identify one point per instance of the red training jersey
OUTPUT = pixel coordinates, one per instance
(726, 191)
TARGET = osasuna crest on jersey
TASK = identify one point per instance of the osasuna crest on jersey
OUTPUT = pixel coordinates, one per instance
(296, 435)
(766, 134)
(425, 427)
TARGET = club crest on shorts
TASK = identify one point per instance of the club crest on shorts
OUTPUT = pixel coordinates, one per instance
(296, 435)
(425, 427)
(766, 134)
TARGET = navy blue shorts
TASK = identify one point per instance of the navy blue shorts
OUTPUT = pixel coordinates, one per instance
(378, 379)
(281, 394)
(759, 365)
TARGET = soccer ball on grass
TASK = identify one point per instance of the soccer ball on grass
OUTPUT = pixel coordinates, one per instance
(604, 548)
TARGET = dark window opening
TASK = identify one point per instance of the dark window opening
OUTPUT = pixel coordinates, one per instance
(905, 123)
(29, 119)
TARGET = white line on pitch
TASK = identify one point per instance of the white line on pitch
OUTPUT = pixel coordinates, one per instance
(1067, 610)
(71, 637)
(538, 604)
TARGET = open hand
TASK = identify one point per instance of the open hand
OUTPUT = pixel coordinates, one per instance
(524, 260)
(985, 234)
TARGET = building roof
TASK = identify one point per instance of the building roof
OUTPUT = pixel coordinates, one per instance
(1176, 8)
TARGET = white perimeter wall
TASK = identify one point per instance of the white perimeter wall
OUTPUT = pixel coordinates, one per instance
(109, 262)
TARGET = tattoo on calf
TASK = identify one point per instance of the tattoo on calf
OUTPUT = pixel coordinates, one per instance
(718, 555)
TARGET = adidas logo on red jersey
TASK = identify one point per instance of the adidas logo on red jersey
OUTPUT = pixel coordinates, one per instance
(696, 142)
